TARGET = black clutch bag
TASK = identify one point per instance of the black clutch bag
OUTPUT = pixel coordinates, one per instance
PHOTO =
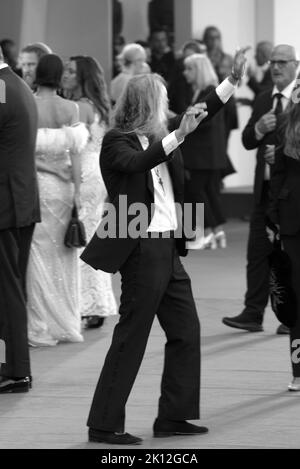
(75, 236)
(282, 295)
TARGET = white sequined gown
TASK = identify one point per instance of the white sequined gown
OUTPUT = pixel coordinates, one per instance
(97, 297)
(53, 276)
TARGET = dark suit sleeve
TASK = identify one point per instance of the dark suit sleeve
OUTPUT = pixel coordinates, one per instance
(214, 105)
(118, 154)
(249, 139)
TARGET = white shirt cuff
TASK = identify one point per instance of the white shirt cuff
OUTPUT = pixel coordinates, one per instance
(258, 134)
(170, 143)
(225, 90)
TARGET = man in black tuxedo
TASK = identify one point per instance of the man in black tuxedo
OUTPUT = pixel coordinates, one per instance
(260, 133)
(141, 160)
(19, 211)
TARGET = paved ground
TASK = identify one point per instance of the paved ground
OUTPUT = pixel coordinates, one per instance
(244, 378)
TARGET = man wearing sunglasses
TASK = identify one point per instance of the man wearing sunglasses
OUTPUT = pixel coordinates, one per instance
(260, 133)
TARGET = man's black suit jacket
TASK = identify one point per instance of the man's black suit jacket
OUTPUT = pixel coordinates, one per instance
(19, 205)
(126, 170)
(263, 104)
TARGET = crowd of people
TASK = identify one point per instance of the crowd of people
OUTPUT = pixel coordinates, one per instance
(161, 129)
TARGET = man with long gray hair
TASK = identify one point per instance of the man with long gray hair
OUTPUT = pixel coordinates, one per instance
(141, 160)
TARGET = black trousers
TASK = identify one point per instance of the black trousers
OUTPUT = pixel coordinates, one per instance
(14, 253)
(154, 282)
(292, 247)
(204, 187)
(258, 271)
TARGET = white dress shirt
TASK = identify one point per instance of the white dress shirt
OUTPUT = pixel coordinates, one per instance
(225, 90)
(3, 65)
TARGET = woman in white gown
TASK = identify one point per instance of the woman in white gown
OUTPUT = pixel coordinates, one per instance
(53, 282)
(83, 82)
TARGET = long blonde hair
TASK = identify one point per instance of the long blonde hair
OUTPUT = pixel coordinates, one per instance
(206, 75)
(143, 107)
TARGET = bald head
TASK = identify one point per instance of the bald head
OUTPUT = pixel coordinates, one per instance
(286, 51)
(284, 65)
(263, 52)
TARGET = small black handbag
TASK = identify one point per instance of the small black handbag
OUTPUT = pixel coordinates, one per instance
(75, 236)
(282, 295)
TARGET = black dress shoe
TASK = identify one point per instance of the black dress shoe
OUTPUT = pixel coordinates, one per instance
(113, 438)
(244, 323)
(282, 330)
(166, 428)
(14, 385)
(94, 322)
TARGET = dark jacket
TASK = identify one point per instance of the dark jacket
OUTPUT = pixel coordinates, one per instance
(263, 104)
(164, 65)
(180, 92)
(18, 127)
(285, 188)
(126, 170)
(206, 147)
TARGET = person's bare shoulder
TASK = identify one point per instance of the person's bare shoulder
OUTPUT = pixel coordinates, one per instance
(86, 112)
(71, 111)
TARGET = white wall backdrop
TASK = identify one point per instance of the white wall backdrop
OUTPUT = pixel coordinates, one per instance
(287, 22)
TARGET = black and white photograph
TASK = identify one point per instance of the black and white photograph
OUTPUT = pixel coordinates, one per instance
(149, 228)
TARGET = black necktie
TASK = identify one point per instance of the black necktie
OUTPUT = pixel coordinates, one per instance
(278, 109)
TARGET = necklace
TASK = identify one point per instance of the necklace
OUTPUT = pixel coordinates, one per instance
(159, 178)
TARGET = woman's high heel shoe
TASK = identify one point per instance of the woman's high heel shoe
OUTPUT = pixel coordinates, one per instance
(221, 240)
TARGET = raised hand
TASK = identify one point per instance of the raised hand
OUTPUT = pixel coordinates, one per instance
(239, 64)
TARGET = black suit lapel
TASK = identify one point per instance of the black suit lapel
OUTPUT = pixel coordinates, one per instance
(269, 102)
(176, 170)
